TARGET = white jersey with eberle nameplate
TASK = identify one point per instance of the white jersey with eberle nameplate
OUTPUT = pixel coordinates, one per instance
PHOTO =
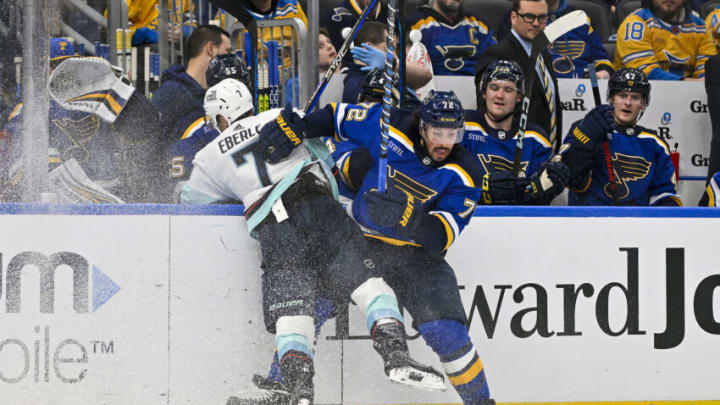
(229, 168)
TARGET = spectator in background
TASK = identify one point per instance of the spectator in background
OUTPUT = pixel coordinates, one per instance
(179, 99)
(572, 52)
(182, 88)
(369, 53)
(642, 171)
(345, 16)
(664, 40)
(143, 18)
(326, 51)
(454, 39)
(246, 11)
(528, 19)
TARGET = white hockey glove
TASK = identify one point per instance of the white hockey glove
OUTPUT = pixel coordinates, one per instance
(90, 85)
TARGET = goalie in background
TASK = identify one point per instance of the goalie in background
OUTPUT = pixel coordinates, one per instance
(73, 135)
(639, 158)
(491, 135)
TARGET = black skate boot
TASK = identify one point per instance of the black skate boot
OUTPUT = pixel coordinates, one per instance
(268, 392)
(298, 371)
(389, 340)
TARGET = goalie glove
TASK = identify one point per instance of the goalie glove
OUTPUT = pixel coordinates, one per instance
(90, 85)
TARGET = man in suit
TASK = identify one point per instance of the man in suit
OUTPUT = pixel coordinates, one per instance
(528, 19)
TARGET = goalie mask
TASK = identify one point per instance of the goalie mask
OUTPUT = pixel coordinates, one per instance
(230, 99)
(442, 109)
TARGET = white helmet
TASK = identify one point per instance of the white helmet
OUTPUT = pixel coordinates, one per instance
(230, 99)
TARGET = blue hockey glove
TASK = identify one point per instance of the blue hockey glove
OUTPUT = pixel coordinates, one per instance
(595, 126)
(549, 181)
(278, 138)
(369, 55)
(393, 209)
(502, 188)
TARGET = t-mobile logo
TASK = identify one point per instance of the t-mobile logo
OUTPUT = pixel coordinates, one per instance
(103, 288)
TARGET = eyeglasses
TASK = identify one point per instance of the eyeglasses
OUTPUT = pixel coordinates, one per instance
(507, 89)
(530, 17)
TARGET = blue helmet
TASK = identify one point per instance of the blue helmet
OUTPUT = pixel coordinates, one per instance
(506, 70)
(442, 109)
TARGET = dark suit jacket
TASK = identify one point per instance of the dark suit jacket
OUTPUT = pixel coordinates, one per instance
(511, 49)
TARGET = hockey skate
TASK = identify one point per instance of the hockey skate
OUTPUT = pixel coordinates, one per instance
(389, 340)
(298, 371)
(268, 392)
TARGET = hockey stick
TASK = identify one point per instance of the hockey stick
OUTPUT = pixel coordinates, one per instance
(338, 58)
(606, 143)
(387, 97)
(560, 27)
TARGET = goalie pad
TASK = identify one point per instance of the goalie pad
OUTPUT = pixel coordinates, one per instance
(90, 85)
(71, 185)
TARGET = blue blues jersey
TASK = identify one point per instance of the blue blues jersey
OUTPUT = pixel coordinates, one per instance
(572, 52)
(73, 135)
(495, 149)
(446, 192)
(183, 150)
(454, 46)
(711, 197)
(644, 173)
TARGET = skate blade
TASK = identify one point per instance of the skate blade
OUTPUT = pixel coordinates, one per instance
(259, 397)
(417, 379)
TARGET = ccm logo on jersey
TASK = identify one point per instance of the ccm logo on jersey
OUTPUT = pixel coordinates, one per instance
(288, 132)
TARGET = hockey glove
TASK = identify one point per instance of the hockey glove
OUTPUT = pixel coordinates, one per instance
(549, 181)
(90, 85)
(595, 126)
(393, 209)
(369, 55)
(502, 188)
(278, 138)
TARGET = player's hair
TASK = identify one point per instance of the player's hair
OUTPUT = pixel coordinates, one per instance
(371, 31)
(516, 4)
(201, 36)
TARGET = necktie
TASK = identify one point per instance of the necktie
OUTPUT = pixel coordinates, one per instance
(549, 96)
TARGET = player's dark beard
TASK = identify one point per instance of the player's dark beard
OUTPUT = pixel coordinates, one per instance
(449, 10)
(670, 16)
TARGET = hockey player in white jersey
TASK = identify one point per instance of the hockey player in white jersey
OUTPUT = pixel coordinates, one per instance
(291, 209)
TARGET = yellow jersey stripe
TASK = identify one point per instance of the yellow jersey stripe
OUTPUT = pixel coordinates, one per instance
(711, 195)
(539, 137)
(403, 138)
(346, 169)
(194, 126)
(98, 96)
(15, 111)
(467, 376)
(392, 241)
(461, 172)
(448, 231)
(657, 139)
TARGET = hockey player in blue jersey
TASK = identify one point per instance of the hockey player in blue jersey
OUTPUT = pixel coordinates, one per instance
(491, 135)
(289, 204)
(638, 157)
(431, 196)
(711, 196)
